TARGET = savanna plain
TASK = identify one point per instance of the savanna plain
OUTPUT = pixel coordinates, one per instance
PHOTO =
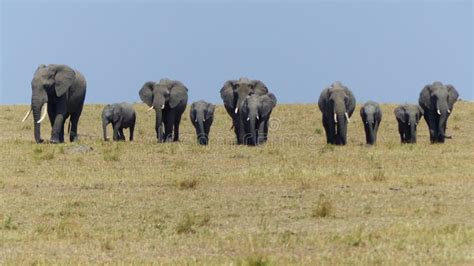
(294, 200)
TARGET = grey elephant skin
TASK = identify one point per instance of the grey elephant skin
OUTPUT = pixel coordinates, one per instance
(255, 112)
(233, 93)
(169, 99)
(121, 116)
(63, 90)
(337, 104)
(371, 115)
(437, 101)
(408, 116)
(201, 116)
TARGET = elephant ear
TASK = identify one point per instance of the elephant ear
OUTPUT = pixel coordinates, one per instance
(351, 102)
(178, 94)
(453, 96)
(267, 104)
(362, 113)
(421, 113)
(192, 113)
(400, 114)
(259, 87)
(425, 97)
(146, 93)
(116, 111)
(64, 78)
(228, 94)
(210, 111)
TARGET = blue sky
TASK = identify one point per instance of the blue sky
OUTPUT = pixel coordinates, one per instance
(383, 50)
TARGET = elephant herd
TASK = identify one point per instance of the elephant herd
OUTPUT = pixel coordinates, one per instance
(59, 92)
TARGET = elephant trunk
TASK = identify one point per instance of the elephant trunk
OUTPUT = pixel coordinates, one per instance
(372, 138)
(412, 138)
(341, 135)
(201, 134)
(252, 137)
(443, 112)
(37, 107)
(158, 124)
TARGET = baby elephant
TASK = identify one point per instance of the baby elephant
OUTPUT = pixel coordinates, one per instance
(371, 116)
(121, 115)
(408, 116)
(202, 115)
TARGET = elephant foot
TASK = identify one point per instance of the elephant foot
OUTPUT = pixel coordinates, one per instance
(40, 141)
(54, 141)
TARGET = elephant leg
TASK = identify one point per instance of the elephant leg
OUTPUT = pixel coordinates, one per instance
(367, 133)
(74, 120)
(376, 129)
(116, 135)
(326, 129)
(177, 121)
(430, 120)
(261, 136)
(61, 132)
(132, 128)
(168, 128)
(61, 111)
(121, 135)
(236, 131)
(51, 114)
(401, 130)
(241, 132)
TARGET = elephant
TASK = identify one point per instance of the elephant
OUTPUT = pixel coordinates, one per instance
(63, 90)
(202, 116)
(371, 115)
(169, 99)
(121, 115)
(408, 117)
(233, 93)
(437, 101)
(337, 103)
(255, 111)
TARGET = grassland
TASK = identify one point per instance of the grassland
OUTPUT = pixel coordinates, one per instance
(294, 200)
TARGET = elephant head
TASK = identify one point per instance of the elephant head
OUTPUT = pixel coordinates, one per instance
(234, 92)
(371, 116)
(255, 110)
(438, 100)
(110, 114)
(338, 103)
(408, 117)
(49, 83)
(202, 115)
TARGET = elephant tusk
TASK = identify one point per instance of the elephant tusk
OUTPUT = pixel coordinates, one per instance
(162, 107)
(149, 109)
(236, 110)
(439, 112)
(449, 111)
(43, 115)
(258, 118)
(347, 116)
(335, 118)
(26, 116)
(248, 118)
(204, 120)
(195, 120)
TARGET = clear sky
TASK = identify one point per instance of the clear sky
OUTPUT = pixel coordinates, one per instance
(383, 50)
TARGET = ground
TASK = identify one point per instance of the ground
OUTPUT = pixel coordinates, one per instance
(294, 200)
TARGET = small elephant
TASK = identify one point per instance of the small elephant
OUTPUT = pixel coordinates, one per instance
(337, 103)
(408, 116)
(63, 90)
(233, 93)
(437, 101)
(202, 116)
(371, 115)
(121, 115)
(255, 112)
(169, 99)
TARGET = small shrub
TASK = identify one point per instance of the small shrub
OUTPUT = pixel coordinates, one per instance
(322, 209)
(318, 131)
(188, 184)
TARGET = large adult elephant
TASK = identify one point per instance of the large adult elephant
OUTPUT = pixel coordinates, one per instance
(63, 90)
(255, 112)
(437, 101)
(233, 93)
(337, 103)
(169, 99)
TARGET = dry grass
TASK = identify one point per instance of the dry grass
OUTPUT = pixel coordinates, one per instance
(294, 200)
